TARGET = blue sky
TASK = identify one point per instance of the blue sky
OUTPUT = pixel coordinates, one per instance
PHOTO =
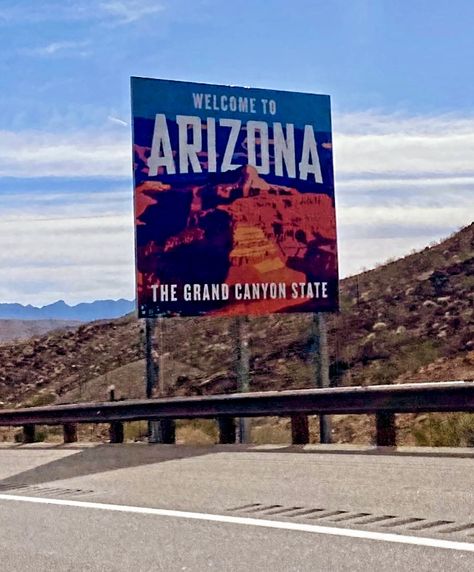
(400, 78)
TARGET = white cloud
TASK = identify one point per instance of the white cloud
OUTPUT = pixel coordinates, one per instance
(396, 145)
(371, 235)
(128, 11)
(419, 217)
(60, 48)
(366, 122)
(366, 252)
(407, 183)
(117, 121)
(74, 258)
(73, 243)
(107, 11)
(81, 154)
(401, 182)
(54, 205)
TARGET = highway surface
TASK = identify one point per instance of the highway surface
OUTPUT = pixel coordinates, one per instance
(158, 507)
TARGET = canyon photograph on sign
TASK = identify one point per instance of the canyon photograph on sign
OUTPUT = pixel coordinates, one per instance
(234, 200)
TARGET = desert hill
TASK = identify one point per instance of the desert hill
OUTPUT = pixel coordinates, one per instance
(407, 314)
(24, 329)
(411, 319)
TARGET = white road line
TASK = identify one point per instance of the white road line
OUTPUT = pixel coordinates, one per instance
(299, 527)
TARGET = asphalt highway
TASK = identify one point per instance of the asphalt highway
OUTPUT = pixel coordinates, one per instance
(150, 507)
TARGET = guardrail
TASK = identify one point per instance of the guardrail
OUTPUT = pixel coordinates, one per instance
(382, 400)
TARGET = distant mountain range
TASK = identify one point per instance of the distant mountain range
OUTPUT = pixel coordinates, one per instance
(85, 312)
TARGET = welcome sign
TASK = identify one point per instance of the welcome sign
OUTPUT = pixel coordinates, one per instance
(234, 200)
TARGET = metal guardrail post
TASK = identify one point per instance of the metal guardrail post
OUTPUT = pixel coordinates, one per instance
(70, 432)
(28, 433)
(116, 433)
(227, 430)
(299, 429)
(166, 432)
(386, 432)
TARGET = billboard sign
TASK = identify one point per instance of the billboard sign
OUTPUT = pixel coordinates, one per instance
(234, 200)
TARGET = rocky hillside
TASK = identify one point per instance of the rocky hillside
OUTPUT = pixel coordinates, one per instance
(407, 314)
(411, 319)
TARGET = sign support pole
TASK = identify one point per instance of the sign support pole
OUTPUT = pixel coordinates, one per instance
(150, 366)
(321, 369)
(164, 430)
(243, 370)
(150, 376)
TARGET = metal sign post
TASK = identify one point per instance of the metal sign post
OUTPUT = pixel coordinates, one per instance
(150, 376)
(163, 431)
(241, 344)
(150, 365)
(321, 368)
(162, 358)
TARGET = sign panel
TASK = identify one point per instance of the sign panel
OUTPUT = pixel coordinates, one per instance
(234, 200)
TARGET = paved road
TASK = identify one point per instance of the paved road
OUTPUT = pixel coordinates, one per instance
(322, 509)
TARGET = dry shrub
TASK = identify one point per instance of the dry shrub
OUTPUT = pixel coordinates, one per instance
(445, 430)
(271, 431)
(197, 432)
